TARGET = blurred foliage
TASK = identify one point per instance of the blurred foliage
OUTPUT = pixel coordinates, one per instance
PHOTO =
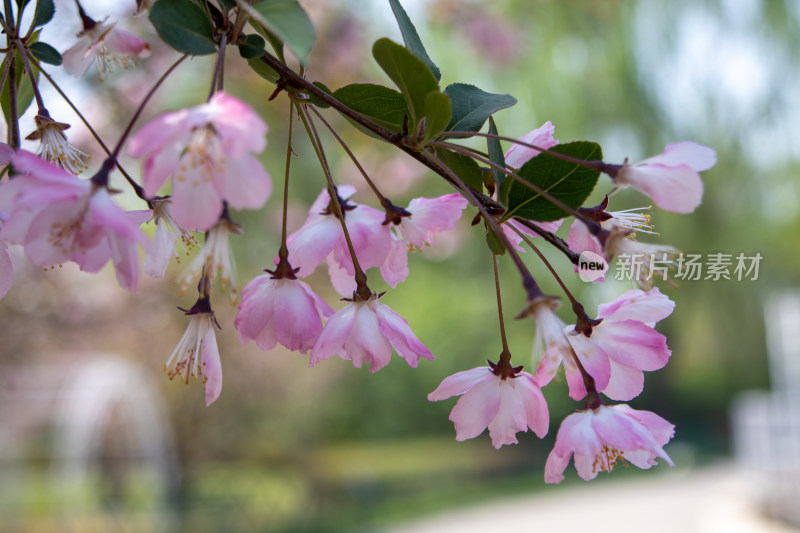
(287, 448)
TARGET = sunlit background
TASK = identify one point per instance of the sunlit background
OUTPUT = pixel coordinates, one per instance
(94, 437)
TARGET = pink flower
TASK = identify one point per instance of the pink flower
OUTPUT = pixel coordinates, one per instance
(504, 405)
(197, 355)
(282, 311)
(518, 155)
(365, 332)
(58, 217)
(207, 149)
(107, 47)
(321, 237)
(671, 178)
(429, 216)
(623, 345)
(603, 437)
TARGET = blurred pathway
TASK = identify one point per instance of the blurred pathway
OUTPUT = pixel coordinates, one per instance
(711, 500)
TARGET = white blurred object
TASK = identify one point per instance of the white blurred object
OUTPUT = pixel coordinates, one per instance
(99, 427)
(766, 425)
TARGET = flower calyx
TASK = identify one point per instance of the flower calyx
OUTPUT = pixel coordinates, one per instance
(394, 214)
(503, 368)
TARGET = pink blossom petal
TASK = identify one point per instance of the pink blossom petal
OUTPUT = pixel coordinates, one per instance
(297, 322)
(460, 383)
(695, 155)
(395, 268)
(518, 155)
(158, 167)
(122, 43)
(309, 245)
(591, 355)
(343, 281)
(77, 59)
(475, 410)
(395, 328)
(510, 417)
(334, 335)
(537, 417)
(241, 129)
(166, 129)
(580, 240)
(632, 343)
(251, 188)
(195, 205)
(648, 307)
(212, 367)
(367, 343)
(625, 383)
(676, 189)
(554, 467)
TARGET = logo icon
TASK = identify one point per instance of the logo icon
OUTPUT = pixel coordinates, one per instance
(592, 267)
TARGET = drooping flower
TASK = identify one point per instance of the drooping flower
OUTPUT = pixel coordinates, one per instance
(504, 405)
(197, 355)
(167, 234)
(623, 345)
(284, 310)
(518, 155)
(55, 147)
(428, 216)
(321, 237)
(601, 438)
(671, 178)
(58, 217)
(215, 259)
(365, 332)
(106, 46)
(207, 149)
(550, 344)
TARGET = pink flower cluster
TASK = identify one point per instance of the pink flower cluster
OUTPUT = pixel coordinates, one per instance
(607, 355)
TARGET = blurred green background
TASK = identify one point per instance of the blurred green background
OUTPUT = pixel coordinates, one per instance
(333, 448)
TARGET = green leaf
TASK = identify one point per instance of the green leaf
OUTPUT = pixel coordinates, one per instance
(411, 37)
(227, 5)
(263, 70)
(408, 72)
(23, 83)
(184, 26)
(383, 105)
(251, 46)
(437, 113)
(472, 106)
(568, 182)
(462, 166)
(45, 53)
(43, 14)
(496, 155)
(21, 5)
(288, 21)
(273, 39)
(494, 243)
